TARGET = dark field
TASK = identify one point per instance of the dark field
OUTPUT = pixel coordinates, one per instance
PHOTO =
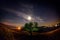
(9, 34)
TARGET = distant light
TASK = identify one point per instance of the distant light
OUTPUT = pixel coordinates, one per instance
(19, 28)
(29, 18)
(56, 25)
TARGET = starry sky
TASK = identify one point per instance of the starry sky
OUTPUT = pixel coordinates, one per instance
(15, 13)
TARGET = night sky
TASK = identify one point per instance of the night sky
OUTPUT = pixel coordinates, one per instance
(16, 12)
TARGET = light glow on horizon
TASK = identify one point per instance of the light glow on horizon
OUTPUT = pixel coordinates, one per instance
(18, 28)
